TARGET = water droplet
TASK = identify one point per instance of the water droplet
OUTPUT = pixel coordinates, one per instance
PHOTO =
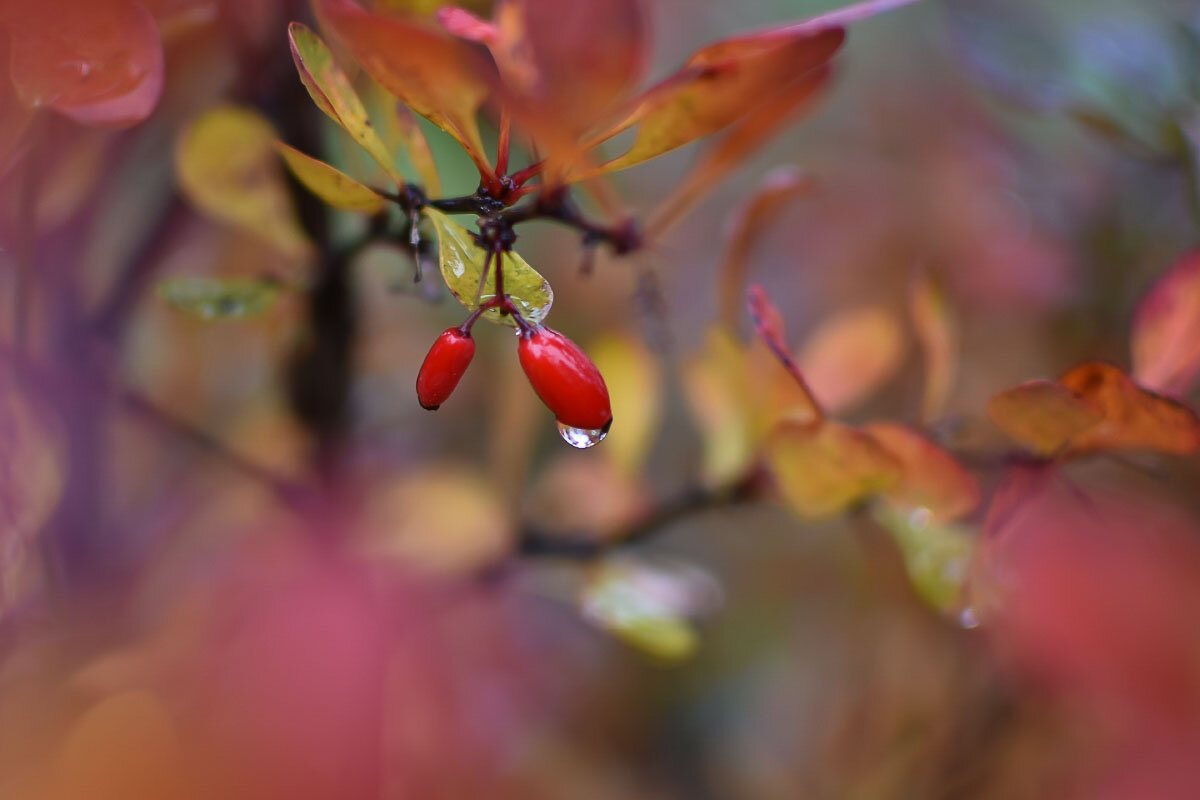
(968, 618)
(582, 438)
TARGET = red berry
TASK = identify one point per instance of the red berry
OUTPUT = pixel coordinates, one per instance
(565, 379)
(444, 367)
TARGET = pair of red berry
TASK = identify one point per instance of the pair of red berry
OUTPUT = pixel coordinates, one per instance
(561, 374)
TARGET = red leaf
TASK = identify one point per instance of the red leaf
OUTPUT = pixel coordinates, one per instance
(769, 324)
(1166, 330)
(99, 62)
(1133, 418)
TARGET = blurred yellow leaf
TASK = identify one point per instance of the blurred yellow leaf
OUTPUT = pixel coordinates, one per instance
(462, 261)
(226, 165)
(635, 391)
(650, 607)
(824, 468)
(931, 480)
(715, 388)
(937, 334)
(330, 89)
(331, 185)
(851, 355)
(446, 519)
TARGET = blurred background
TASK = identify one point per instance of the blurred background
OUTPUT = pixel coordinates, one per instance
(223, 576)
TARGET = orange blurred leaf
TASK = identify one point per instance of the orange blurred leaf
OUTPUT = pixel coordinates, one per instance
(227, 167)
(1132, 417)
(742, 139)
(768, 322)
(330, 89)
(439, 77)
(331, 185)
(1044, 415)
(718, 85)
(930, 479)
(99, 62)
(851, 355)
(746, 228)
(937, 335)
(1094, 407)
(825, 468)
(1165, 340)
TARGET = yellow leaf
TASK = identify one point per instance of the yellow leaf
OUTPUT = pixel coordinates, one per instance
(446, 519)
(824, 468)
(715, 387)
(462, 261)
(331, 185)
(635, 390)
(650, 608)
(227, 167)
(331, 91)
(401, 133)
(852, 355)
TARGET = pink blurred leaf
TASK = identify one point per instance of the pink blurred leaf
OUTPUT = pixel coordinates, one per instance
(1165, 340)
(99, 62)
(768, 322)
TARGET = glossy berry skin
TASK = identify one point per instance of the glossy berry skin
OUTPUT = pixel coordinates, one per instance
(442, 369)
(565, 379)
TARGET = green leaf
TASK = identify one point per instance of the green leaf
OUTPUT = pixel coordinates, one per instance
(331, 91)
(330, 184)
(461, 262)
(936, 556)
(650, 607)
(220, 298)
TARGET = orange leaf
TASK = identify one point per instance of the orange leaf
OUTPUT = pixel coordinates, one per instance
(439, 77)
(99, 62)
(741, 140)
(1133, 418)
(748, 224)
(930, 477)
(825, 468)
(725, 80)
(937, 335)
(1094, 407)
(717, 86)
(1044, 415)
(1166, 330)
(768, 322)
(852, 355)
